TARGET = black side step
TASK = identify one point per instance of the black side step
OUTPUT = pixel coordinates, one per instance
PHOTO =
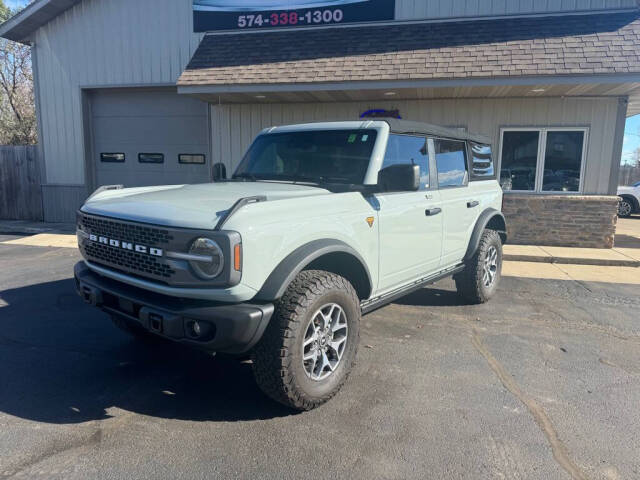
(237, 206)
(375, 303)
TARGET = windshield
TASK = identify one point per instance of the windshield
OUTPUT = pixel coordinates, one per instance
(316, 156)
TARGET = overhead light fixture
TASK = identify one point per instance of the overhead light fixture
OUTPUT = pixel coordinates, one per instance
(537, 90)
(261, 97)
(390, 94)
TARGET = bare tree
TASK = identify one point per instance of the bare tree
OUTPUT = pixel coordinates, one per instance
(17, 111)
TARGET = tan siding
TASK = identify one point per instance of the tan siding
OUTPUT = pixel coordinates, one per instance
(233, 126)
(104, 43)
(421, 9)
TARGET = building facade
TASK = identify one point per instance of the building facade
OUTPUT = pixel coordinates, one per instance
(129, 93)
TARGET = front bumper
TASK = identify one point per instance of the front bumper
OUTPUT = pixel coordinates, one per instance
(228, 328)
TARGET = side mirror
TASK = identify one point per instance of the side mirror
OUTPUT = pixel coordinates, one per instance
(399, 178)
(219, 172)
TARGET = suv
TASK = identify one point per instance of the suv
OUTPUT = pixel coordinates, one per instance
(319, 224)
(629, 200)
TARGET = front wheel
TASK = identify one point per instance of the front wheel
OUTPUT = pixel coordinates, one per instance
(310, 345)
(625, 209)
(481, 275)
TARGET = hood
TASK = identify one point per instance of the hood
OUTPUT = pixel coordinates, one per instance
(624, 189)
(188, 206)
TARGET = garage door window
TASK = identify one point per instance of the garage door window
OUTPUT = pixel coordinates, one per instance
(151, 157)
(542, 159)
(112, 157)
(192, 158)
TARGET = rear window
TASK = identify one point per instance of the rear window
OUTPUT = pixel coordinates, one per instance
(481, 162)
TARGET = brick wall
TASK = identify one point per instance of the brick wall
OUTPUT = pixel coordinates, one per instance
(561, 220)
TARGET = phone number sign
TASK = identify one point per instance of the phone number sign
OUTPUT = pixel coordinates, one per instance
(213, 15)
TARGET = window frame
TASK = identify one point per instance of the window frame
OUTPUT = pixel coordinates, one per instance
(541, 157)
(466, 162)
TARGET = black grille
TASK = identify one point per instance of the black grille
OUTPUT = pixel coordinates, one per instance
(128, 261)
(140, 234)
(125, 259)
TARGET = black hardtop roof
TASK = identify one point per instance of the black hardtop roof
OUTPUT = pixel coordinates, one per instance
(408, 126)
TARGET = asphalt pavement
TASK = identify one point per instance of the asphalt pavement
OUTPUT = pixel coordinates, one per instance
(540, 383)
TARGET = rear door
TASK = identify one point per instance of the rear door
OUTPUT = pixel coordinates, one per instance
(458, 205)
(410, 222)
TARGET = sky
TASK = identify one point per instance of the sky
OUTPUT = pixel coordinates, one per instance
(631, 137)
(15, 3)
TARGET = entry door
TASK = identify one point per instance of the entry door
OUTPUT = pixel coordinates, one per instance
(458, 208)
(410, 224)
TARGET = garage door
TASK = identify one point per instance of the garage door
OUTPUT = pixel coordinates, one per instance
(143, 137)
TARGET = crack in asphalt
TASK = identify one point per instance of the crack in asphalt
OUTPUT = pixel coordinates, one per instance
(560, 453)
(52, 450)
(97, 435)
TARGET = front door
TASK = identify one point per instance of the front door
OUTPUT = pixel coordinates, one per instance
(410, 222)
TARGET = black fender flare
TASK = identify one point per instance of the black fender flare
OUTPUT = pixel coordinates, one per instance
(483, 220)
(280, 278)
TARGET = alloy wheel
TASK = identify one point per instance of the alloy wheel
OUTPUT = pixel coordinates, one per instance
(624, 208)
(325, 340)
(490, 267)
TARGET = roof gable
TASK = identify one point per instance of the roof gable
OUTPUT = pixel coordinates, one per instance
(21, 26)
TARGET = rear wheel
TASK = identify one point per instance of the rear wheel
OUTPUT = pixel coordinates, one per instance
(481, 275)
(625, 207)
(310, 345)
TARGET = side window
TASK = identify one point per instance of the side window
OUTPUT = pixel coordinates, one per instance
(409, 149)
(481, 162)
(451, 160)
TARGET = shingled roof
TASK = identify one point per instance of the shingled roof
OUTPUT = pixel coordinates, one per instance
(509, 47)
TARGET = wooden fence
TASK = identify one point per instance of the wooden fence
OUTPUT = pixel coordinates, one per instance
(20, 191)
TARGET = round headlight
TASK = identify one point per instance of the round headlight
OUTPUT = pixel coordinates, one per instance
(212, 258)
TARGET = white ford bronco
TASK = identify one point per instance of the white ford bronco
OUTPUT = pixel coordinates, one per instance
(319, 224)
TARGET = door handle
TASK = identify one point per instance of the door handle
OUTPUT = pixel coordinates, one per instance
(430, 212)
(473, 204)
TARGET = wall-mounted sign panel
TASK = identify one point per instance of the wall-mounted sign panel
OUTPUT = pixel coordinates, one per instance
(211, 15)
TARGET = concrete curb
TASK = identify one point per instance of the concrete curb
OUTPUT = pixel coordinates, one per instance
(572, 261)
(17, 228)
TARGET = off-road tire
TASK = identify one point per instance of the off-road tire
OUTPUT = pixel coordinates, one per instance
(469, 282)
(277, 359)
(625, 208)
(131, 329)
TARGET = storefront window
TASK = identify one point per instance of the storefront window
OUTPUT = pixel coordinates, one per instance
(542, 159)
(562, 162)
(519, 160)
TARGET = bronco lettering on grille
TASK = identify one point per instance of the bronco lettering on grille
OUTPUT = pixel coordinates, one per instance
(156, 252)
